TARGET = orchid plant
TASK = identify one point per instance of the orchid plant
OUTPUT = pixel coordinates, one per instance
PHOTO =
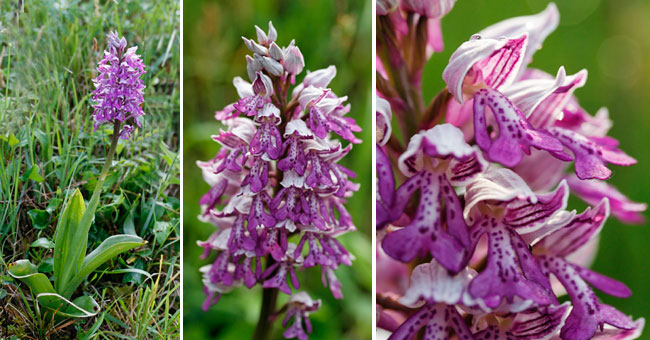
(278, 194)
(488, 241)
(118, 97)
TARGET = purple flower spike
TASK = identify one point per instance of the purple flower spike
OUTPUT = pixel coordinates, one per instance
(276, 186)
(592, 154)
(516, 135)
(118, 94)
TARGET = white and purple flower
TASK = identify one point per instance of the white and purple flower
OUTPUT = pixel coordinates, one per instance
(278, 194)
(489, 234)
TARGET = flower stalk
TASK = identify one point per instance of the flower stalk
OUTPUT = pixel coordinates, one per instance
(264, 327)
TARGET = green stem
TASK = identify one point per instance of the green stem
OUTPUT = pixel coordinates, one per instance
(86, 219)
(265, 325)
(107, 165)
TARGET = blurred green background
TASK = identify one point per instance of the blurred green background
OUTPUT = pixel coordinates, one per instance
(611, 39)
(327, 32)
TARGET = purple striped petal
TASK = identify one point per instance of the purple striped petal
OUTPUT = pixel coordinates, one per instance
(529, 215)
(441, 141)
(593, 191)
(576, 233)
(541, 323)
(477, 63)
(383, 118)
(542, 100)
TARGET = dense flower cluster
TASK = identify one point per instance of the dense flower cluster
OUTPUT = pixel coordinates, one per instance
(118, 94)
(489, 228)
(277, 192)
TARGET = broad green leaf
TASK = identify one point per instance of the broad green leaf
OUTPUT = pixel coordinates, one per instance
(70, 242)
(47, 266)
(161, 231)
(43, 243)
(129, 226)
(27, 272)
(33, 174)
(13, 141)
(110, 248)
(40, 218)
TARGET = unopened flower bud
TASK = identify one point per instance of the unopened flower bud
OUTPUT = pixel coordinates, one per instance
(275, 51)
(293, 59)
(272, 66)
(255, 47)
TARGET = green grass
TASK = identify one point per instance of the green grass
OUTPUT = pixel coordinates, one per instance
(48, 149)
(327, 32)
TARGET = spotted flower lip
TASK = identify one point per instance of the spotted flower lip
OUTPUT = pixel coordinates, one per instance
(482, 62)
(516, 135)
(443, 144)
(438, 319)
(592, 154)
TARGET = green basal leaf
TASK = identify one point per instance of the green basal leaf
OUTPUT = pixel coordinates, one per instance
(33, 174)
(27, 272)
(40, 218)
(70, 242)
(110, 248)
(161, 231)
(43, 243)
